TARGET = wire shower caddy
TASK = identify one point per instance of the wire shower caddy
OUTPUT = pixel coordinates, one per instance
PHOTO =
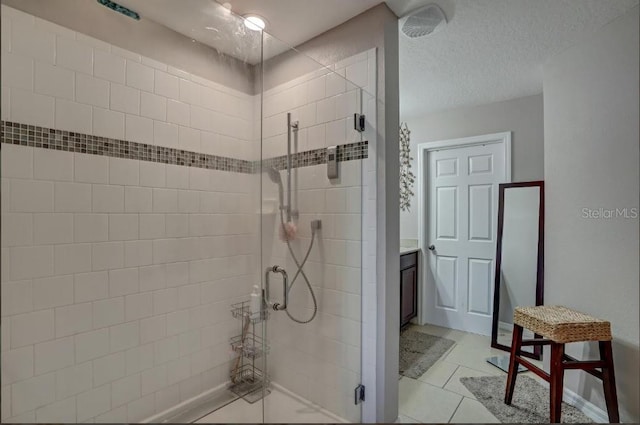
(248, 377)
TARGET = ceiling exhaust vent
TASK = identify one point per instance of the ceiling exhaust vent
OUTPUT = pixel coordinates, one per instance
(424, 21)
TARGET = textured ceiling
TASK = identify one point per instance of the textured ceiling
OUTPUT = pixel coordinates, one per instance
(492, 50)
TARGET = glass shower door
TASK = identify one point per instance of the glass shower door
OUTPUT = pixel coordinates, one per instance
(311, 169)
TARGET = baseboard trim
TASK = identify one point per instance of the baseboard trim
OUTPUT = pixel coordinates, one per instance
(505, 326)
(592, 411)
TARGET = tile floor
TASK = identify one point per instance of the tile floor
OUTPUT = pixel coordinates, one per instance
(278, 408)
(438, 395)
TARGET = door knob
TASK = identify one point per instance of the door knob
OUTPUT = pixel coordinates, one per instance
(432, 248)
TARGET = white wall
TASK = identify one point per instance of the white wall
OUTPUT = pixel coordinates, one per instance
(591, 161)
(523, 117)
(117, 274)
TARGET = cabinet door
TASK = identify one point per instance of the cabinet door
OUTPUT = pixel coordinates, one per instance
(408, 294)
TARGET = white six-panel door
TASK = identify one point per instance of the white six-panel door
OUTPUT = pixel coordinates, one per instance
(462, 201)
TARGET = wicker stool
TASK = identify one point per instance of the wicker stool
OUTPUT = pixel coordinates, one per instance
(560, 325)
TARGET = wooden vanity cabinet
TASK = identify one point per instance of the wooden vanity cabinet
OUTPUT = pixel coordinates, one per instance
(408, 288)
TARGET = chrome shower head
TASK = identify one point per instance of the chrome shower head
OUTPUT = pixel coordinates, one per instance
(274, 175)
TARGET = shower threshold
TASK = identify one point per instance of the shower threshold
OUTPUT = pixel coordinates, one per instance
(221, 405)
(195, 409)
(281, 406)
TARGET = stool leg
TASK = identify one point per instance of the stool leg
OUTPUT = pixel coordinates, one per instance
(556, 383)
(516, 343)
(609, 381)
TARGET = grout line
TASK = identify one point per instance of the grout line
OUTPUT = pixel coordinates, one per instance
(454, 372)
(455, 411)
(410, 417)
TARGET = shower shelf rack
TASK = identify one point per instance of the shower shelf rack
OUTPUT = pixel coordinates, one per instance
(251, 383)
(248, 379)
(242, 310)
(251, 346)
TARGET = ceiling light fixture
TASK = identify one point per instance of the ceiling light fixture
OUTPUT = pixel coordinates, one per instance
(254, 22)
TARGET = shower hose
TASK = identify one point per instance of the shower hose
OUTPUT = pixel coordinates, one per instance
(299, 272)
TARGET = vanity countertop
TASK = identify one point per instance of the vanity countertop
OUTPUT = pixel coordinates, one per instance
(408, 250)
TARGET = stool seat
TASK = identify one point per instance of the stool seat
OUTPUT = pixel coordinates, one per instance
(561, 324)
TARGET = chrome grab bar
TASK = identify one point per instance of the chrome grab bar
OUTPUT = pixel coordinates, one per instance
(285, 286)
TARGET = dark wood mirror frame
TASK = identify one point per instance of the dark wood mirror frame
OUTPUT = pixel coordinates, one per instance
(537, 351)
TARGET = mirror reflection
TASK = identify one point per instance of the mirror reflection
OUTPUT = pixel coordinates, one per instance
(519, 280)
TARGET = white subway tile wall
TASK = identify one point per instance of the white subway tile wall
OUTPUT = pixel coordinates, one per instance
(69, 81)
(127, 267)
(98, 307)
(321, 361)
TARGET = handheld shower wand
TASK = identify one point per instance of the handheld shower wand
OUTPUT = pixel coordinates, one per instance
(275, 177)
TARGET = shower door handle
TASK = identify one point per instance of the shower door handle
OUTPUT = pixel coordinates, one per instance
(285, 287)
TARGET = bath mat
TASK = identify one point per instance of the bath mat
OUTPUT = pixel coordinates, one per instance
(419, 351)
(530, 400)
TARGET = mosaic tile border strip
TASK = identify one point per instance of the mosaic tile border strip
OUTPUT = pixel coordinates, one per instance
(48, 138)
(348, 152)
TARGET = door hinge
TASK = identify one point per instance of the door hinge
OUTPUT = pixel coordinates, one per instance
(358, 394)
(358, 122)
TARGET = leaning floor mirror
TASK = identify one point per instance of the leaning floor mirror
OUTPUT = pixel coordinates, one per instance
(519, 261)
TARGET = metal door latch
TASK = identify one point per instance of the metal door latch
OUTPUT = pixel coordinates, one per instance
(358, 394)
(358, 122)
